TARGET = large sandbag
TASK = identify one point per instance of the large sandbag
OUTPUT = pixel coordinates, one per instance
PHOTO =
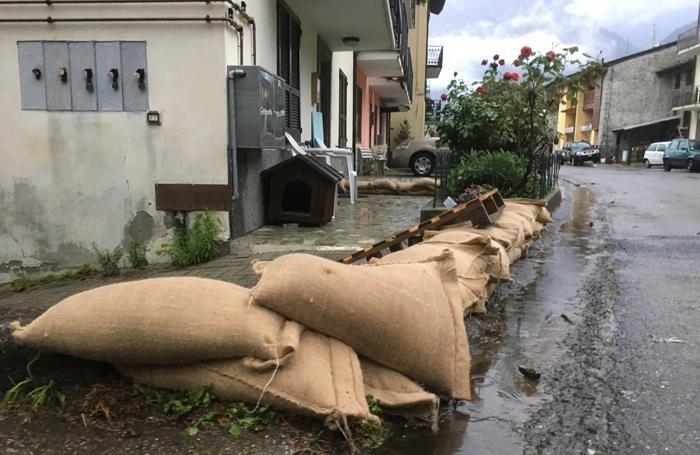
(493, 254)
(324, 378)
(543, 216)
(407, 316)
(397, 393)
(160, 321)
(385, 184)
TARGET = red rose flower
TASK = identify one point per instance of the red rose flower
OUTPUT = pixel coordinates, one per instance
(494, 65)
(443, 97)
(507, 76)
(526, 51)
(551, 55)
(454, 74)
(516, 63)
(515, 76)
(484, 62)
(501, 62)
(481, 90)
(496, 57)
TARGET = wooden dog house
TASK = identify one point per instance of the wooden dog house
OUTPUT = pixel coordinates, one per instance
(300, 190)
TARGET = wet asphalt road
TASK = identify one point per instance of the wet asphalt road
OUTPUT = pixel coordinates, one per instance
(630, 379)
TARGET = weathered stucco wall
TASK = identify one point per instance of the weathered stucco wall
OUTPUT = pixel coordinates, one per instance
(72, 178)
(636, 91)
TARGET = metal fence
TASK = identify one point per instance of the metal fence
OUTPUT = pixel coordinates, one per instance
(546, 171)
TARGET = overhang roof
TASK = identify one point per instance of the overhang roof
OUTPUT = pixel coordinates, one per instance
(640, 125)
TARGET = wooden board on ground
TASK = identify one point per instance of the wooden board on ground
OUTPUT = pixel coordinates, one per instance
(480, 212)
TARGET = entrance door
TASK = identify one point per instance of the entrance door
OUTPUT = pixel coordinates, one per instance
(324, 67)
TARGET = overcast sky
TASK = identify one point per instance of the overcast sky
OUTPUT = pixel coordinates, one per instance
(472, 30)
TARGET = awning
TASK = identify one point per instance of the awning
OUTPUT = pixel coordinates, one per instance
(640, 125)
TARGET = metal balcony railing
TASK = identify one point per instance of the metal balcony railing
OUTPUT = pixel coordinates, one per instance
(685, 96)
(688, 39)
(434, 56)
(400, 21)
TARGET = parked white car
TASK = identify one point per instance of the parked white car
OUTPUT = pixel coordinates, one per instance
(654, 154)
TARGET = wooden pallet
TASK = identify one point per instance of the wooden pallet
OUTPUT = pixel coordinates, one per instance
(480, 212)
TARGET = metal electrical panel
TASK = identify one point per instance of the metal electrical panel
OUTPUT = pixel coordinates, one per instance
(258, 113)
(31, 75)
(57, 65)
(109, 76)
(135, 76)
(83, 78)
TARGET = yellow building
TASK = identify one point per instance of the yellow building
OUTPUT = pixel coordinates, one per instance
(427, 64)
(579, 121)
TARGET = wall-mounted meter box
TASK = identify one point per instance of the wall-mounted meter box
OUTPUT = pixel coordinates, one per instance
(260, 108)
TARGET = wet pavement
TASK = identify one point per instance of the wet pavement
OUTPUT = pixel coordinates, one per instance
(370, 219)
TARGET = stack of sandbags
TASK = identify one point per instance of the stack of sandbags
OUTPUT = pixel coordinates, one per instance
(407, 317)
(188, 333)
(419, 187)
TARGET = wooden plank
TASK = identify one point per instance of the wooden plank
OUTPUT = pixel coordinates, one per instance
(190, 197)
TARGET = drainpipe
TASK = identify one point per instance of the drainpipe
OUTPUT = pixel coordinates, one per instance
(250, 20)
(354, 108)
(232, 147)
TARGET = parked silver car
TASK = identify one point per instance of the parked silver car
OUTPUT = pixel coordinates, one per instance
(654, 154)
(416, 154)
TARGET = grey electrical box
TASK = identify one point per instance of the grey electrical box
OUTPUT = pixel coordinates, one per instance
(259, 110)
(57, 65)
(109, 76)
(31, 75)
(135, 84)
(83, 76)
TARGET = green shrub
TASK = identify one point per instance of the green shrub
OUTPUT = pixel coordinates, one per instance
(137, 255)
(404, 132)
(502, 170)
(108, 260)
(196, 246)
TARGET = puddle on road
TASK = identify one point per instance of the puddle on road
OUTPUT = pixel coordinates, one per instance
(523, 327)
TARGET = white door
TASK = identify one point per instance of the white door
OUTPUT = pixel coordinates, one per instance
(659, 154)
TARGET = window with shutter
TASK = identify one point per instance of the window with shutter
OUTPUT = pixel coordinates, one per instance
(288, 65)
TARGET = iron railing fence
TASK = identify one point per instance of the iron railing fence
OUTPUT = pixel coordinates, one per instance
(546, 173)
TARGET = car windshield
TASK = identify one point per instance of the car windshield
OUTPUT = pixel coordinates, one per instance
(694, 145)
(651, 148)
(580, 145)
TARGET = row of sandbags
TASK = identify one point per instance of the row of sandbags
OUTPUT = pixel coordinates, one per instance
(419, 187)
(314, 336)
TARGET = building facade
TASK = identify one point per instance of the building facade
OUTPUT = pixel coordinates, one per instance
(104, 103)
(636, 102)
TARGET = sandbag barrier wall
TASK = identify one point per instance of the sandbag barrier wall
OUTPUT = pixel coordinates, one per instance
(313, 336)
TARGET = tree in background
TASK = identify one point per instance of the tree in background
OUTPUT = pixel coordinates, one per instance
(404, 133)
(510, 111)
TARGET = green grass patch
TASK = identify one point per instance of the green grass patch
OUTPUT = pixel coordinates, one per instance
(24, 283)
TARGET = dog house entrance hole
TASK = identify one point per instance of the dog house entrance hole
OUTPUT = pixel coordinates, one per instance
(296, 197)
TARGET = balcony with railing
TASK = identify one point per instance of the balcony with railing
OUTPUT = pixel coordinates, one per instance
(390, 72)
(686, 97)
(434, 63)
(689, 40)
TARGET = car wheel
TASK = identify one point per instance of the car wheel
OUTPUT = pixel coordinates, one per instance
(667, 166)
(422, 164)
(596, 160)
(647, 164)
(691, 166)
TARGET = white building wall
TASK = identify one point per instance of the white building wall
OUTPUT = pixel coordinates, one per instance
(72, 178)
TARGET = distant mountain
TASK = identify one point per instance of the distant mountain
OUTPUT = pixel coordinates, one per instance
(613, 45)
(674, 34)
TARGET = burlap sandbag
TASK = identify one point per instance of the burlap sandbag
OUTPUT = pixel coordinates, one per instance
(385, 184)
(324, 378)
(407, 316)
(161, 321)
(493, 255)
(543, 216)
(397, 394)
